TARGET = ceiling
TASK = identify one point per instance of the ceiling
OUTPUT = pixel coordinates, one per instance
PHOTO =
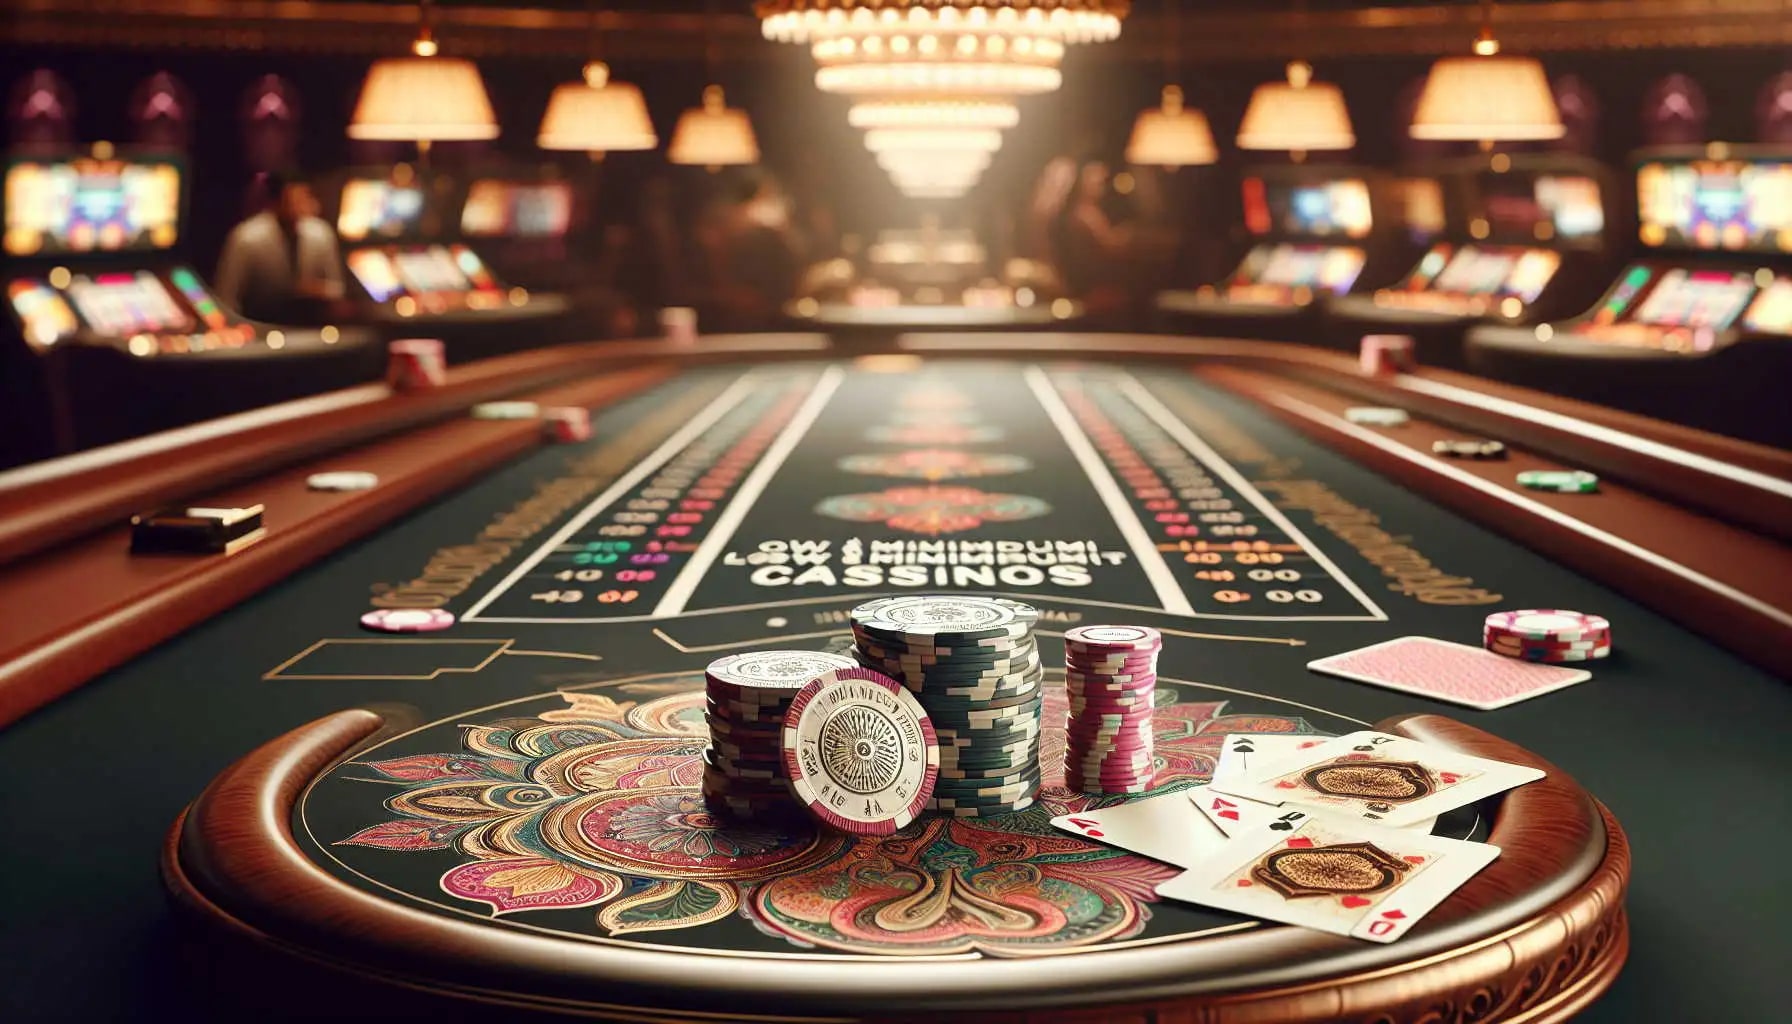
(1211, 31)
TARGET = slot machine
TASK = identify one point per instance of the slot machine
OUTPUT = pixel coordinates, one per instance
(1317, 232)
(523, 224)
(414, 275)
(112, 334)
(1526, 239)
(1697, 328)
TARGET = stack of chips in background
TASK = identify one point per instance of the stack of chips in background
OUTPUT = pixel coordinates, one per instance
(972, 664)
(1548, 635)
(413, 364)
(1383, 355)
(1110, 673)
(567, 424)
(743, 769)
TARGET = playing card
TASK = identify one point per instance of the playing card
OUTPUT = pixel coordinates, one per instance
(1335, 875)
(1234, 814)
(1389, 780)
(1457, 673)
(1165, 828)
(1240, 751)
(1230, 814)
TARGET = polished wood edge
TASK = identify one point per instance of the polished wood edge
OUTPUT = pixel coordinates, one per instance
(1541, 930)
(52, 502)
(1737, 481)
(37, 670)
(1730, 616)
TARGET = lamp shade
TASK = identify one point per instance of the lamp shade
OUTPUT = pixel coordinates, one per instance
(1171, 136)
(597, 116)
(713, 135)
(423, 99)
(1283, 115)
(1487, 99)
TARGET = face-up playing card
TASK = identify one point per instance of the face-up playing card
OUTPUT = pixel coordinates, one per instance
(1239, 751)
(1234, 814)
(1165, 828)
(1339, 876)
(1243, 750)
(1457, 673)
(1230, 814)
(1388, 780)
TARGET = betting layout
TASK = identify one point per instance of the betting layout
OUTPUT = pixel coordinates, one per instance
(811, 484)
(1236, 549)
(625, 550)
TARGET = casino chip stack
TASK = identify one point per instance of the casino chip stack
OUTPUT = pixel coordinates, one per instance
(1111, 675)
(1548, 635)
(415, 364)
(972, 664)
(743, 769)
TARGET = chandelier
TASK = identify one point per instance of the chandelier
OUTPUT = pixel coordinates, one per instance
(934, 81)
(967, 47)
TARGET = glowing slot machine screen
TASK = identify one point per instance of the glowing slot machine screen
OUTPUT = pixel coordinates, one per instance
(1572, 205)
(1697, 298)
(1340, 268)
(1532, 273)
(1772, 311)
(373, 269)
(86, 205)
(120, 305)
(430, 271)
(495, 208)
(44, 317)
(1476, 271)
(1716, 205)
(372, 208)
(1294, 266)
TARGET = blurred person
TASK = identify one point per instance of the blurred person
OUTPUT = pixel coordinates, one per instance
(1093, 251)
(753, 255)
(1050, 194)
(282, 265)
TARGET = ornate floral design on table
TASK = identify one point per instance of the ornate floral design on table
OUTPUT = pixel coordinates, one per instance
(596, 804)
(934, 464)
(933, 510)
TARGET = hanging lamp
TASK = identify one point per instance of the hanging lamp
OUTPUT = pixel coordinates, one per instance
(597, 114)
(1172, 135)
(423, 98)
(1488, 97)
(1298, 115)
(713, 135)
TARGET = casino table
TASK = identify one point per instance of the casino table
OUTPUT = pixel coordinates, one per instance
(262, 810)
